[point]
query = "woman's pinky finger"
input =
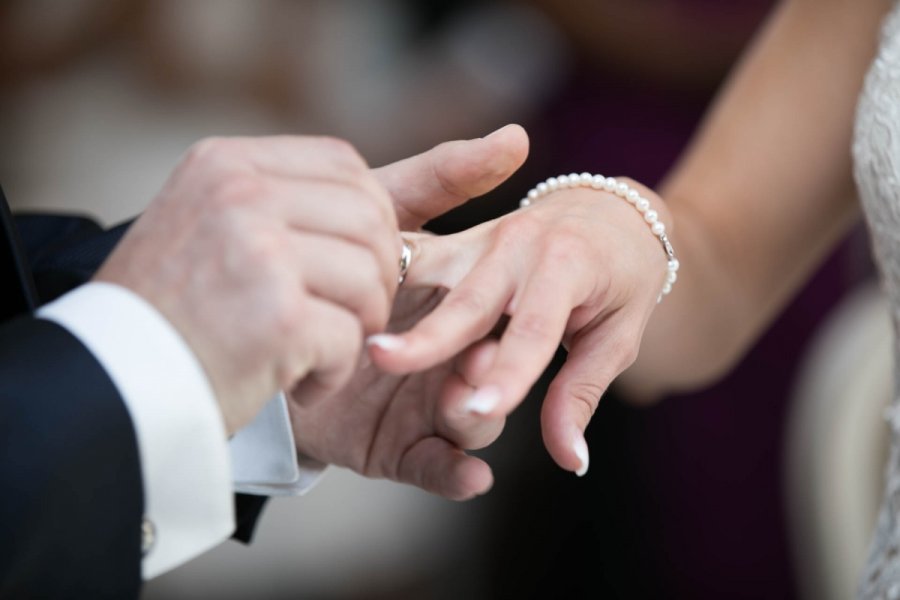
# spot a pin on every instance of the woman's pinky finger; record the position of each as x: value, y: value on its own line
x: 594, y: 361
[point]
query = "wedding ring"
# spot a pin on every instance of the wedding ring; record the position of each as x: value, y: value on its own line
x: 405, y: 260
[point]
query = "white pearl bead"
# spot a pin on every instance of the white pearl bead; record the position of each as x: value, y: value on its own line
x: 621, y: 189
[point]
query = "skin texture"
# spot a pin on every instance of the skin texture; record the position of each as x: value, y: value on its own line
x: 235, y: 253
x: 764, y: 191
x: 273, y: 257
x: 409, y: 427
x: 535, y: 267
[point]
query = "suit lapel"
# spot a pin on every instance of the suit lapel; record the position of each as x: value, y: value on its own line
x: 18, y: 294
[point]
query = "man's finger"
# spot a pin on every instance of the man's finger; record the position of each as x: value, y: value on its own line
x: 334, y: 340
x: 350, y: 278
x: 427, y: 185
x: 436, y: 466
x: 290, y: 156
x: 353, y: 215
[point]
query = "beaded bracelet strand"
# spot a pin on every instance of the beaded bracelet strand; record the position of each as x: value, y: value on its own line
x: 622, y: 190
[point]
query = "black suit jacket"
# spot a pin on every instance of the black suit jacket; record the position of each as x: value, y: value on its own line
x: 71, y: 501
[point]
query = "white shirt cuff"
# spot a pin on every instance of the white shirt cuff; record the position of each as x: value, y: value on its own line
x: 264, y: 457
x: 181, y: 436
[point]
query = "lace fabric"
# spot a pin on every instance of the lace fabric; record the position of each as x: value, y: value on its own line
x: 876, y: 152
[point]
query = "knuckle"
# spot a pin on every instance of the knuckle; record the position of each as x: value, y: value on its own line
x: 627, y: 350
x: 286, y: 315
x: 264, y: 251
x: 459, y: 180
x: 562, y: 248
x: 518, y: 227
x: 342, y: 153
x: 586, y: 396
x: 468, y: 302
x: 236, y: 189
x: 210, y: 150
x: 630, y: 355
x: 531, y: 326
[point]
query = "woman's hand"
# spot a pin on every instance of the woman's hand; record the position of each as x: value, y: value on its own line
x: 413, y: 428
x: 407, y: 428
x: 579, y: 267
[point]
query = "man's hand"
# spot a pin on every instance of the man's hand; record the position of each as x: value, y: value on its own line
x: 410, y: 428
x: 272, y: 257
x: 425, y: 186
x: 394, y: 427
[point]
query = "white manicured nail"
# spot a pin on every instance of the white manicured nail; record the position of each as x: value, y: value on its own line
x: 581, y: 451
x: 386, y: 341
x: 483, y: 401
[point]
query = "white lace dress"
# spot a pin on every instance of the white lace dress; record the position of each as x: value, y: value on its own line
x: 876, y: 151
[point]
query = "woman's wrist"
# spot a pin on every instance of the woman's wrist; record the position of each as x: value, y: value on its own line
x: 623, y: 189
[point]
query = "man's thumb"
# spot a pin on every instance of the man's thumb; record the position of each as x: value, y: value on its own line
x: 427, y: 185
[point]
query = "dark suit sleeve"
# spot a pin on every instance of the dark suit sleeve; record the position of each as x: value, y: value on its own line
x: 65, y: 252
x: 72, y: 500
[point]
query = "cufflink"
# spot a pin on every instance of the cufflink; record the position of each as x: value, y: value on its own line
x: 148, y: 536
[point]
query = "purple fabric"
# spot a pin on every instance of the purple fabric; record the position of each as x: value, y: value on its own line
x: 711, y: 462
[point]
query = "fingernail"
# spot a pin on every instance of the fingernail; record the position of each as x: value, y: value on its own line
x: 483, y: 401
x: 581, y: 451
x: 386, y: 341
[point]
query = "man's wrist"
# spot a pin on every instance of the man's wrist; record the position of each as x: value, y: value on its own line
x: 180, y: 432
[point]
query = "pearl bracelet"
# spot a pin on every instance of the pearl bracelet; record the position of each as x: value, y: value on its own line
x: 622, y: 190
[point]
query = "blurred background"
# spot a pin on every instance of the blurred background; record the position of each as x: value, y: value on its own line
x: 764, y: 486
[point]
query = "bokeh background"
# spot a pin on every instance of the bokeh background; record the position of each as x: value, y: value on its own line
x: 712, y: 495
